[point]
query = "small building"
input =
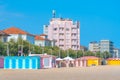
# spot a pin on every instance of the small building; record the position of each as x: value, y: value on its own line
x: 47, y: 61
x: 94, y: 46
x: 15, y: 62
x: 16, y: 33
x: 113, y: 61
x: 107, y: 46
x: 42, y: 40
x: 1, y: 62
x: 87, y: 61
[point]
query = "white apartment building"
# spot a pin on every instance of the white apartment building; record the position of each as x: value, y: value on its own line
x: 106, y: 45
x: 94, y: 46
x: 65, y: 32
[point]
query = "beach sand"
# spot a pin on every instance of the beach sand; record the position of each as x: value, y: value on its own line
x: 79, y: 73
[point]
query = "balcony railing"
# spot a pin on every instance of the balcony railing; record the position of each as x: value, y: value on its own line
x: 74, y: 42
x: 61, y: 31
x: 61, y: 43
x: 61, y: 37
x: 74, y: 31
x: 74, y: 37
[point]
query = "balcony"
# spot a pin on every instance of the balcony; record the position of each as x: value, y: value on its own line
x: 74, y: 26
x: 61, y: 43
x: 74, y: 37
x: 74, y: 43
x: 61, y: 37
x: 61, y: 31
x: 74, y: 31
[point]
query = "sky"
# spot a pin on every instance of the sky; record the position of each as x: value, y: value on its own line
x: 99, y: 19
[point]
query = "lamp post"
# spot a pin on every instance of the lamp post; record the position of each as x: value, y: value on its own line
x: 20, y: 47
x: 42, y: 50
x: 83, y: 53
x: 59, y: 54
x: 33, y: 49
x: 51, y: 51
x: 29, y: 48
x: 7, y: 49
x: 20, y: 50
x: 67, y: 52
x: 76, y: 55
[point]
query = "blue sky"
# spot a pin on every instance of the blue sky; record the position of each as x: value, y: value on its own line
x: 99, y: 19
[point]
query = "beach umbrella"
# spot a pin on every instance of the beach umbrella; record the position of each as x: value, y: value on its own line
x: 68, y: 58
x: 59, y: 59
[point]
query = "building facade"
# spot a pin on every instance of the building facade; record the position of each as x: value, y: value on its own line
x: 41, y: 40
x: 116, y: 53
x: 106, y: 45
x: 65, y: 32
x: 16, y: 33
x: 94, y: 46
x: 102, y: 46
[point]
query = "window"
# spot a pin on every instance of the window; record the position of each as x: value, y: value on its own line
x: 55, y: 29
x: 5, y: 39
x: 74, y: 34
x: 61, y: 29
x: 61, y: 34
x: 67, y: 29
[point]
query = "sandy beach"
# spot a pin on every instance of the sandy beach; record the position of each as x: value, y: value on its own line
x: 80, y: 73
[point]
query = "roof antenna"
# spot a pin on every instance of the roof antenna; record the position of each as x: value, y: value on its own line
x: 53, y: 13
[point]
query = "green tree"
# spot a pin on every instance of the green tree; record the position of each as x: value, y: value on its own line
x: 72, y: 53
x: 80, y: 53
x: 99, y: 54
x: 63, y: 53
x: 106, y: 55
x: 89, y: 53
x: 13, y: 47
x: 3, y: 49
x: 27, y: 47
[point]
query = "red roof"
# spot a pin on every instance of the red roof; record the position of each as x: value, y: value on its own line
x: 43, y: 35
x: 14, y: 30
x: 2, y: 33
x: 39, y: 38
x: 88, y: 57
